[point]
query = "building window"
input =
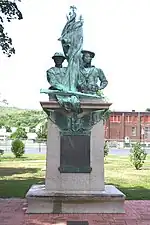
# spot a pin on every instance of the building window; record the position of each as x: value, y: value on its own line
x: 146, y: 119
x: 128, y: 119
x: 134, y: 119
x: 133, y: 131
x: 142, y: 119
x: 146, y: 132
x: 115, y: 119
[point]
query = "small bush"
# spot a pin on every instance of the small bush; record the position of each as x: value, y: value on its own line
x: 137, y: 156
x: 106, y: 148
x: 1, y: 153
x: 18, y: 148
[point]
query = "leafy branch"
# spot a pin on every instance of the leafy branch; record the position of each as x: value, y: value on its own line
x: 8, y: 11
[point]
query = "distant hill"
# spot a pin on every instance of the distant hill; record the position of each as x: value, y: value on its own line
x: 10, y: 110
x: 14, y: 117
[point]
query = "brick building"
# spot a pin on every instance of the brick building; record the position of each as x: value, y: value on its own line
x: 133, y: 125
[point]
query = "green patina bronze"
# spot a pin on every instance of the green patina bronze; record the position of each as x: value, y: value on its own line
x: 76, y: 124
x: 70, y: 93
x: 89, y: 76
x: 73, y: 169
x: 79, y: 78
x: 68, y: 85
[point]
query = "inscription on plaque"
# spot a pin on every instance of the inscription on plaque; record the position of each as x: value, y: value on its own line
x: 75, y: 154
x: 77, y: 223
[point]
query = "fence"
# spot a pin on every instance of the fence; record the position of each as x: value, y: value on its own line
x: 30, y: 146
x: 123, y: 144
x: 40, y: 147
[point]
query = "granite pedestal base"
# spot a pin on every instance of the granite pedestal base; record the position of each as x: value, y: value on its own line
x: 42, y: 201
x: 74, y: 181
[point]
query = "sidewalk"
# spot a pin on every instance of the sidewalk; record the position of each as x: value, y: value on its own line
x: 12, y: 212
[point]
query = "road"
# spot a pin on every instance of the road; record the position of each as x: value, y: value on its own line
x: 114, y: 151
x: 34, y: 148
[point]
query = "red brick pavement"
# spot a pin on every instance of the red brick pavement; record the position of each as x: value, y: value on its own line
x: 12, y: 212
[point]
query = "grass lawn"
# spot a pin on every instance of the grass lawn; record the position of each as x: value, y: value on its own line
x: 17, y: 175
x: 135, y: 184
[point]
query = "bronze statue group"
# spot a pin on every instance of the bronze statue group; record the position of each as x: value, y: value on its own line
x: 80, y: 78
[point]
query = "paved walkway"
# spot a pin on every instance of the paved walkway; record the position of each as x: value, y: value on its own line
x: 12, y: 212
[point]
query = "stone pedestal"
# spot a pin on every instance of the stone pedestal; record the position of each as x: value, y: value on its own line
x: 40, y: 200
x: 75, y: 166
x: 87, y: 181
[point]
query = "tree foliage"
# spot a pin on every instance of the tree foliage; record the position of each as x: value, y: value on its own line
x: 137, y: 156
x: 8, y: 129
x: 8, y: 11
x: 18, y: 148
x: 20, y: 133
x: 106, y: 115
x: 148, y: 110
x: 1, y: 153
x: 13, y: 117
x: 42, y: 132
x: 106, y: 148
x: 3, y: 101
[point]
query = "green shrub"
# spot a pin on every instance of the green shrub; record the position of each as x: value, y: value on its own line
x: 137, y: 155
x: 1, y: 153
x: 18, y: 148
x: 106, y: 148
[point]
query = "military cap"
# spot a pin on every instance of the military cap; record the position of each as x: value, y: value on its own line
x: 58, y: 54
x: 92, y: 54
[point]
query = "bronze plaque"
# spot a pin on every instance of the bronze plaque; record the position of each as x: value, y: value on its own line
x: 77, y: 223
x: 75, y: 154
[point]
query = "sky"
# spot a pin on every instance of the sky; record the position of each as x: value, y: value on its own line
x: 118, y: 31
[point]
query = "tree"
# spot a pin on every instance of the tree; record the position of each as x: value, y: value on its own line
x: 18, y: 148
x: 14, y: 117
x: 2, y: 124
x: 137, y: 156
x: 1, y: 153
x: 8, y: 129
x: 20, y: 133
x: 42, y: 132
x: 106, y: 148
x: 9, y: 11
x: 147, y: 110
x: 106, y: 115
x: 4, y: 101
x: 32, y: 130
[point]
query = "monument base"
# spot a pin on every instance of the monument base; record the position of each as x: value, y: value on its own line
x: 42, y: 201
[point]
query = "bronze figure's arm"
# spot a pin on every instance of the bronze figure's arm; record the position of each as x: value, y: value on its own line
x: 102, y: 79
